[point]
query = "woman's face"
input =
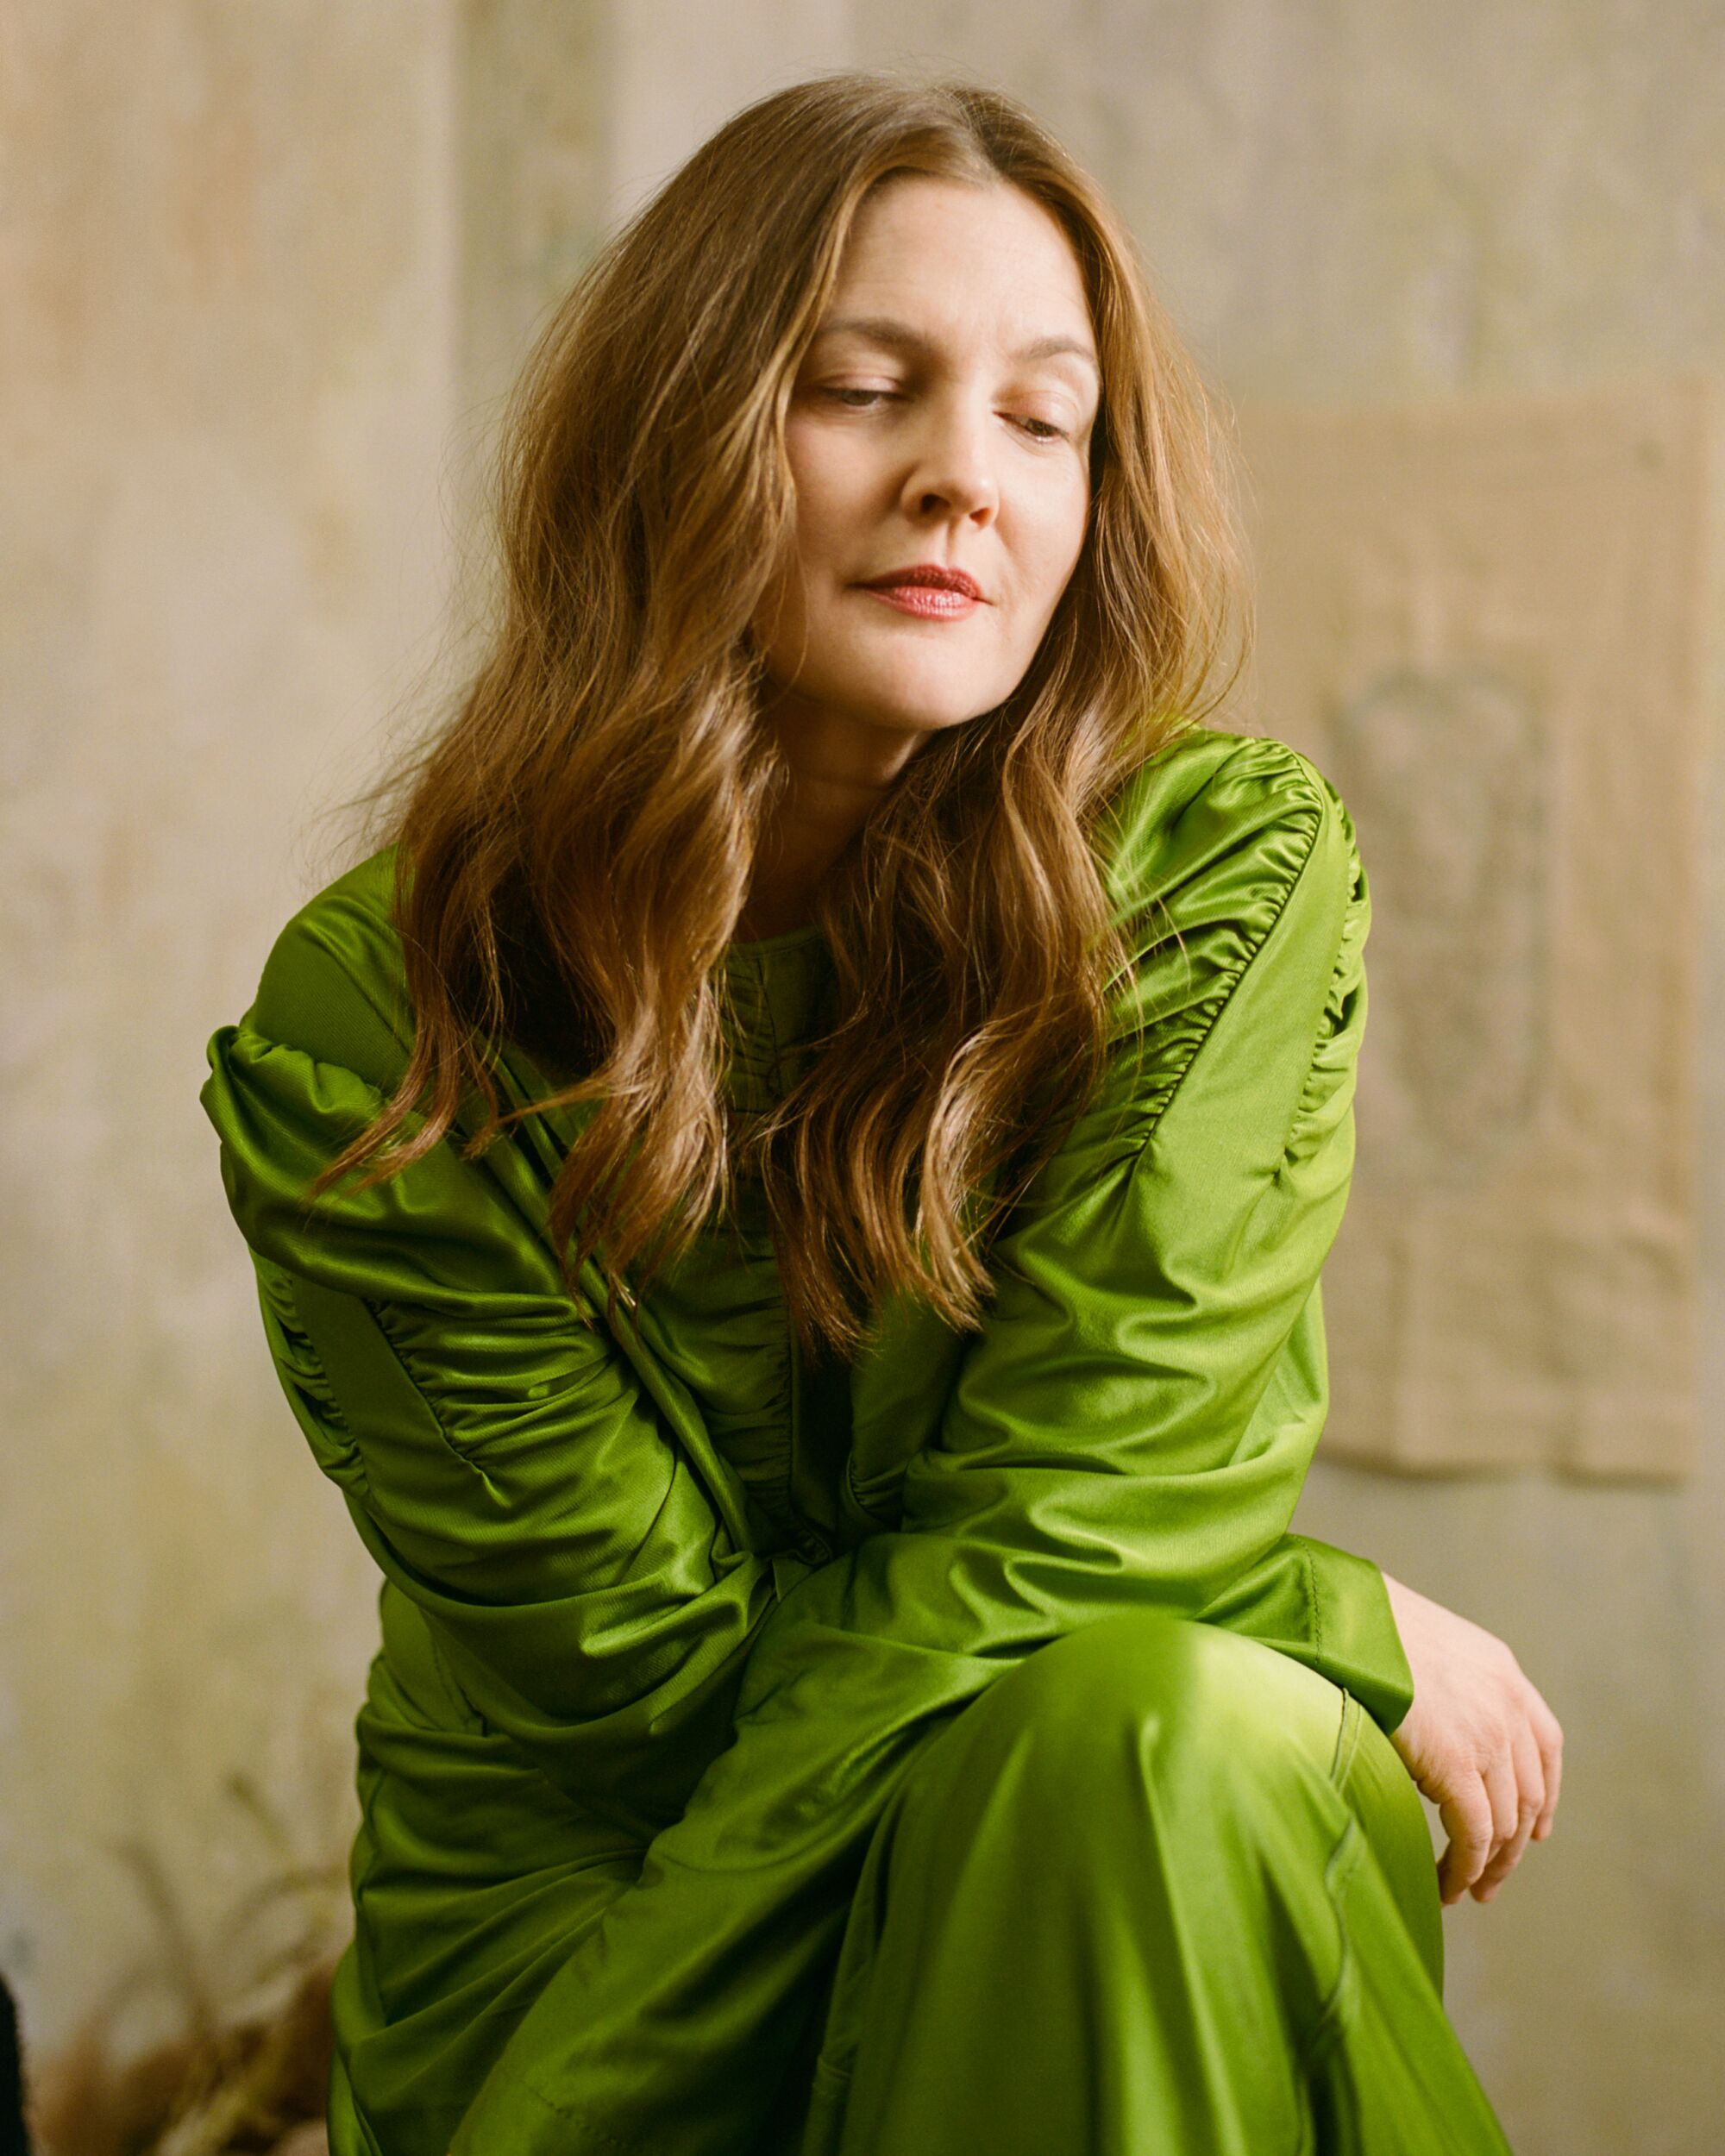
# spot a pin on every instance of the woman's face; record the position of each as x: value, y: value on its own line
x: 941, y: 416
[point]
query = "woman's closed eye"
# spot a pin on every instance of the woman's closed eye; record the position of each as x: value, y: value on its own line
x: 1026, y: 419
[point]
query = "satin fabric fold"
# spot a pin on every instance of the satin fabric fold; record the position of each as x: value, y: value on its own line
x: 680, y: 1615
x: 1183, y: 1886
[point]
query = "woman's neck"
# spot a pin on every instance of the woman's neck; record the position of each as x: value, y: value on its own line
x: 796, y: 852
x: 838, y: 777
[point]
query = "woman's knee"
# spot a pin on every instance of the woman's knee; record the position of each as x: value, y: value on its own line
x: 1197, y: 1709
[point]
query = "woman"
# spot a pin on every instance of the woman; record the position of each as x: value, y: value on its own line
x: 789, y: 1195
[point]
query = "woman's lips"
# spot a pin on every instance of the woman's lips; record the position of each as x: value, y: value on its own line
x: 933, y: 601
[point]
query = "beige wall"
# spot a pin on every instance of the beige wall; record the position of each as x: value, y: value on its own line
x: 266, y: 269
x: 226, y: 377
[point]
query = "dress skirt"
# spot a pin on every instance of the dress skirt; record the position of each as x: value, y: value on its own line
x: 1159, y: 1891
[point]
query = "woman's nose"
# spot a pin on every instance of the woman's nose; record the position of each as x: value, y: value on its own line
x: 954, y: 465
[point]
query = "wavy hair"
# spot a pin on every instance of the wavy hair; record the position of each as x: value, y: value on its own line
x: 575, y: 842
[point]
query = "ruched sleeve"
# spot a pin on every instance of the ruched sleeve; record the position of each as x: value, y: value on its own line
x: 589, y: 1585
x: 1130, y: 1429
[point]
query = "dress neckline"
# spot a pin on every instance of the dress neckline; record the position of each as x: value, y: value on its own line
x: 787, y: 940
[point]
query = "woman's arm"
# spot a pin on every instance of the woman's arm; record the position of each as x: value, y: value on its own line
x: 1479, y: 1741
x: 1131, y: 1430
x: 584, y: 1572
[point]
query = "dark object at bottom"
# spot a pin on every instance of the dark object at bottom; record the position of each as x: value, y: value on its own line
x: 14, y: 2135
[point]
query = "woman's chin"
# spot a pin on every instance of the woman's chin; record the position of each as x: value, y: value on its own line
x: 931, y: 707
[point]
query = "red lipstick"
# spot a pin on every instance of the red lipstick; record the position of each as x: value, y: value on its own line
x: 927, y: 588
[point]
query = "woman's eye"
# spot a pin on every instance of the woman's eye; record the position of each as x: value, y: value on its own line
x: 1048, y: 431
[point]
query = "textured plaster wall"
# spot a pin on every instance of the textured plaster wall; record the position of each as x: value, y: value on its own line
x: 265, y: 270
x: 225, y: 381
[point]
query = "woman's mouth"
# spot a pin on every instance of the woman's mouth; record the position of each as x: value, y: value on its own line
x: 931, y: 601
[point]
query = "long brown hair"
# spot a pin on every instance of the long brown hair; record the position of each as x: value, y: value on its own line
x: 577, y: 840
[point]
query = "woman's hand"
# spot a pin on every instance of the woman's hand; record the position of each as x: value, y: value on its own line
x: 1480, y: 1742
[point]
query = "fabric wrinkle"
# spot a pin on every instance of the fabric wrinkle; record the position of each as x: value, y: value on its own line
x: 679, y: 1632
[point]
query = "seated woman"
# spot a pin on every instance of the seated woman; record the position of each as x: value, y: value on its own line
x: 788, y: 1193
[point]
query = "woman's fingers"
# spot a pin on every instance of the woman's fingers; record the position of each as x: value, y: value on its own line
x: 1465, y: 1812
x: 1530, y: 1796
x: 1480, y: 1742
x: 1500, y: 1786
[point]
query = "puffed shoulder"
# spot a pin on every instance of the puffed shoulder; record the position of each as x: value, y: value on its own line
x: 334, y: 985
x: 1209, y: 798
x: 308, y: 1067
x: 1207, y: 847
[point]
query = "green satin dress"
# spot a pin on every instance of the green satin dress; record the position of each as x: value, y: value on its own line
x: 955, y: 1751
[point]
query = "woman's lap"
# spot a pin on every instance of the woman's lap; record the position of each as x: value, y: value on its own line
x: 1159, y: 1885
x: 1060, y: 1937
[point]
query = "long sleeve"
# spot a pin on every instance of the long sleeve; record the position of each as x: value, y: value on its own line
x: 1130, y: 1429
x: 507, y: 1467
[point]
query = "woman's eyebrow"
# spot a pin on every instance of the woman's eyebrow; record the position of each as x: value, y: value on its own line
x: 884, y: 329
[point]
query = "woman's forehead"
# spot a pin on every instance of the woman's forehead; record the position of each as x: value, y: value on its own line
x: 948, y: 269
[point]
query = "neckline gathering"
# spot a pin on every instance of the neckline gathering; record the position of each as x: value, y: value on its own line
x: 788, y: 939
